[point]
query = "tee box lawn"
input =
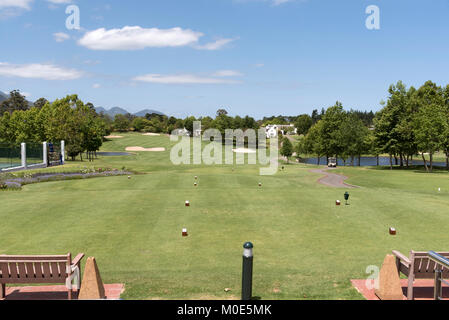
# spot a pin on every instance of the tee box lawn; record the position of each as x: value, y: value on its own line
x: 305, y: 247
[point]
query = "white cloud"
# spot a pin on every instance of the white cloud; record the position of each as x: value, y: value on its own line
x: 279, y: 2
x: 273, y: 2
x: 218, y: 44
x: 23, y: 4
x: 259, y: 65
x: 182, y: 79
x: 60, y: 1
x: 61, y: 36
x: 96, y: 85
x: 39, y: 71
x: 228, y: 73
x: 136, y: 38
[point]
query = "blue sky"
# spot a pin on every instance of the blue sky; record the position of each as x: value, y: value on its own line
x: 256, y: 57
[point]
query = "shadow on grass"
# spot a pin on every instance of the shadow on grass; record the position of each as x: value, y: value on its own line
x: 414, y: 168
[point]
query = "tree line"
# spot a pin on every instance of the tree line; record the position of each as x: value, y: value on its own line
x: 67, y: 119
x: 338, y: 133
x: 413, y: 122
x: 163, y: 124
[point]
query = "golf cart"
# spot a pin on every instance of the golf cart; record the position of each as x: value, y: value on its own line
x: 332, y: 163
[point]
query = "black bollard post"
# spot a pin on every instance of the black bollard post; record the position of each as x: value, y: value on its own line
x: 247, y: 271
x: 346, y: 197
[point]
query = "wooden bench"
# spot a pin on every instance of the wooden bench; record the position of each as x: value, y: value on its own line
x: 418, y: 266
x: 40, y: 269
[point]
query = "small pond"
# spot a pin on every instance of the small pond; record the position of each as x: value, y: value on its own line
x: 369, y: 161
x: 113, y: 154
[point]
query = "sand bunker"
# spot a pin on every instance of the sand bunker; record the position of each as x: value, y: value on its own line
x: 113, y: 137
x: 145, y: 149
x: 151, y: 134
x: 244, y: 150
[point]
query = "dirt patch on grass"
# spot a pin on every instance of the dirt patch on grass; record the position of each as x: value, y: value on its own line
x: 113, y: 137
x: 145, y: 149
x: 332, y: 179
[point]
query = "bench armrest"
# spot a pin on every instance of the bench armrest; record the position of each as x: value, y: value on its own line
x: 77, y: 259
x: 401, y: 257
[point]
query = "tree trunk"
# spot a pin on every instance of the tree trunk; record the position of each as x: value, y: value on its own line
x: 447, y: 160
x: 352, y: 160
x: 431, y: 161
x: 318, y: 159
x: 402, y: 160
x: 425, y: 162
x: 391, y: 162
x: 377, y: 160
x: 406, y: 160
x: 395, y: 159
x: 360, y: 160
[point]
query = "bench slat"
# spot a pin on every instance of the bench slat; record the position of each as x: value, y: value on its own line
x: 22, y: 270
x: 32, y: 281
x: 54, y: 270
x: 431, y: 266
x: 30, y: 270
x: 46, y: 267
x: 38, y: 270
x: 34, y: 258
x: 63, y: 269
x: 26, y: 261
x: 13, y: 270
x: 4, y: 270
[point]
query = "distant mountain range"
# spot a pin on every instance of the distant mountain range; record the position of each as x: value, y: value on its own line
x: 117, y: 110
x: 111, y: 112
x: 3, y: 96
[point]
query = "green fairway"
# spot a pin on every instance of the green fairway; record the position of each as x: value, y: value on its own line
x: 305, y: 247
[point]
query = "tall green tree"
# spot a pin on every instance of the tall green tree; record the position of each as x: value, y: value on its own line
x: 121, y: 123
x: 303, y: 123
x: 15, y: 102
x: 287, y: 148
x: 430, y: 122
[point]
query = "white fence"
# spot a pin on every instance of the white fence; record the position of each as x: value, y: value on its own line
x: 45, y: 163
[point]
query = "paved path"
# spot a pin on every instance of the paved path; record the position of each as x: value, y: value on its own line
x: 332, y: 179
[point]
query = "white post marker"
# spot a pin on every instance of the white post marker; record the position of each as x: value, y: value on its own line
x: 44, y: 153
x: 62, y: 152
x: 187, y: 203
x: 184, y: 232
x: 23, y: 154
